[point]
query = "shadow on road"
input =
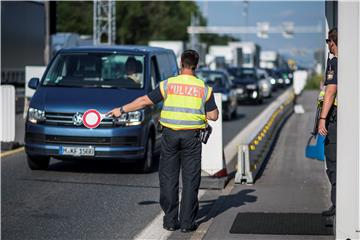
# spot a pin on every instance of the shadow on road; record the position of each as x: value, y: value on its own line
x: 212, y: 208
x: 215, y: 207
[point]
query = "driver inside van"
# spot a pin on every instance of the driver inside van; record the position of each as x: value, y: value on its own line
x: 131, y: 69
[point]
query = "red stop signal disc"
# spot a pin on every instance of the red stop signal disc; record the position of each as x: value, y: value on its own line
x: 91, y: 118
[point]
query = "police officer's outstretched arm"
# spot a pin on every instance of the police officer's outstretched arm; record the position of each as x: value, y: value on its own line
x: 139, y: 103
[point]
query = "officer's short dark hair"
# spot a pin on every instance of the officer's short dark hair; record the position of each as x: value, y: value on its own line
x: 189, y: 59
x: 333, y: 35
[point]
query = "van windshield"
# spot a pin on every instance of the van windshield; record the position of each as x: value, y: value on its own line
x: 102, y: 70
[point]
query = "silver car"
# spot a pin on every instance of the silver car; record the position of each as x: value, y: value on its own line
x: 264, y: 83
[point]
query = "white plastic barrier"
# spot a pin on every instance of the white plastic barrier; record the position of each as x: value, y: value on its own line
x: 7, y: 113
x: 31, y: 72
x: 256, y: 140
x: 299, y: 83
x: 213, y: 162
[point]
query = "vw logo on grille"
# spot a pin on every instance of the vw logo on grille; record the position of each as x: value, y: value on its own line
x: 77, y: 119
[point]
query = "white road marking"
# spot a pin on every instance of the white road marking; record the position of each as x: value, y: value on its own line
x: 299, y: 109
x: 154, y: 230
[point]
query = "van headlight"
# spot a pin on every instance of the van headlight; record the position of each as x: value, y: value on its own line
x: 254, y: 94
x: 130, y: 119
x: 36, y: 116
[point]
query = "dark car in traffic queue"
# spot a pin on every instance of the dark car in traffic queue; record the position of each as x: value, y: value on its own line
x: 100, y: 78
x: 287, y: 76
x: 247, y: 84
x: 274, y: 79
x: 220, y: 81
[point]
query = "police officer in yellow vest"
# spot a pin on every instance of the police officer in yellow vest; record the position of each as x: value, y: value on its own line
x: 328, y: 117
x: 188, y: 104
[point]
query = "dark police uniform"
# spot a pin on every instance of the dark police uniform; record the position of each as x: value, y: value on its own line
x: 180, y: 149
x: 331, y: 122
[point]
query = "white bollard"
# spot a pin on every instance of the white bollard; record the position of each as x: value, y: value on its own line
x: 213, y: 162
x: 299, y: 82
x: 7, y: 113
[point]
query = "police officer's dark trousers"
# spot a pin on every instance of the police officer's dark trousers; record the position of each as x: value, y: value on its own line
x: 180, y: 150
x: 330, y: 151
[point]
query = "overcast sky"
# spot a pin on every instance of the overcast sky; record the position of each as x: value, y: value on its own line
x: 302, y: 13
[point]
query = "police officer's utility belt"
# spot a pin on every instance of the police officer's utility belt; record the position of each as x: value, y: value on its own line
x: 202, y: 134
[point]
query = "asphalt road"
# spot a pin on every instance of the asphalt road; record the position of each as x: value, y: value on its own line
x: 82, y: 200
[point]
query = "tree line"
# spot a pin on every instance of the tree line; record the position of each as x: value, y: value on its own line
x: 138, y: 22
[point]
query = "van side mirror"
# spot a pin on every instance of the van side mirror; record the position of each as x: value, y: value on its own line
x: 33, y: 83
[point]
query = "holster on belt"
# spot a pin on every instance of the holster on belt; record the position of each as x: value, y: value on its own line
x: 205, y: 133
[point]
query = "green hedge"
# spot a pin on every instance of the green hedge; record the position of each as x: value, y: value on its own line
x: 314, y: 82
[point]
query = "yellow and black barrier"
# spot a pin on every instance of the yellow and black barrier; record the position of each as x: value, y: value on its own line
x: 258, y: 138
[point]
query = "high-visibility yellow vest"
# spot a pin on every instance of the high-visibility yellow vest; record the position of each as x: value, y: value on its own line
x: 184, y: 102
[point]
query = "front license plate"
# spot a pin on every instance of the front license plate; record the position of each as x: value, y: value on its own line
x: 77, y: 151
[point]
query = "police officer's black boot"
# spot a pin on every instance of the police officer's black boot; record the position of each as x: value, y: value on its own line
x: 191, y: 229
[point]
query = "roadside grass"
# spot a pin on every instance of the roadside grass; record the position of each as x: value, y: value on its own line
x: 314, y: 82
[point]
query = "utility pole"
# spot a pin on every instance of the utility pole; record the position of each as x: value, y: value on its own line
x: 194, y: 37
x: 206, y: 9
x: 246, y: 15
x: 104, y: 22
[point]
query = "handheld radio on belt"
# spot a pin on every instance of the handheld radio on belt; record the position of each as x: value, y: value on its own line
x: 205, y: 133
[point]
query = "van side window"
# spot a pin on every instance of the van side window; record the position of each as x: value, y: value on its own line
x: 173, y: 65
x: 154, y: 71
x: 164, y: 66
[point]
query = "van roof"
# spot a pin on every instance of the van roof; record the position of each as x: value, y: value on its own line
x: 116, y: 48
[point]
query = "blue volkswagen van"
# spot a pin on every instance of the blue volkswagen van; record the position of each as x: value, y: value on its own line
x: 100, y: 78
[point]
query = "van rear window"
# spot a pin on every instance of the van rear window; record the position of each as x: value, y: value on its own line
x: 102, y: 70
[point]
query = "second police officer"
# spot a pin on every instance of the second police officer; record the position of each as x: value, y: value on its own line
x: 328, y: 117
x: 188, y: 104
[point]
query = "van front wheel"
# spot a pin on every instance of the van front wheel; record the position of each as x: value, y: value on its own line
x: 147, y: 162
x: 38, y: 162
